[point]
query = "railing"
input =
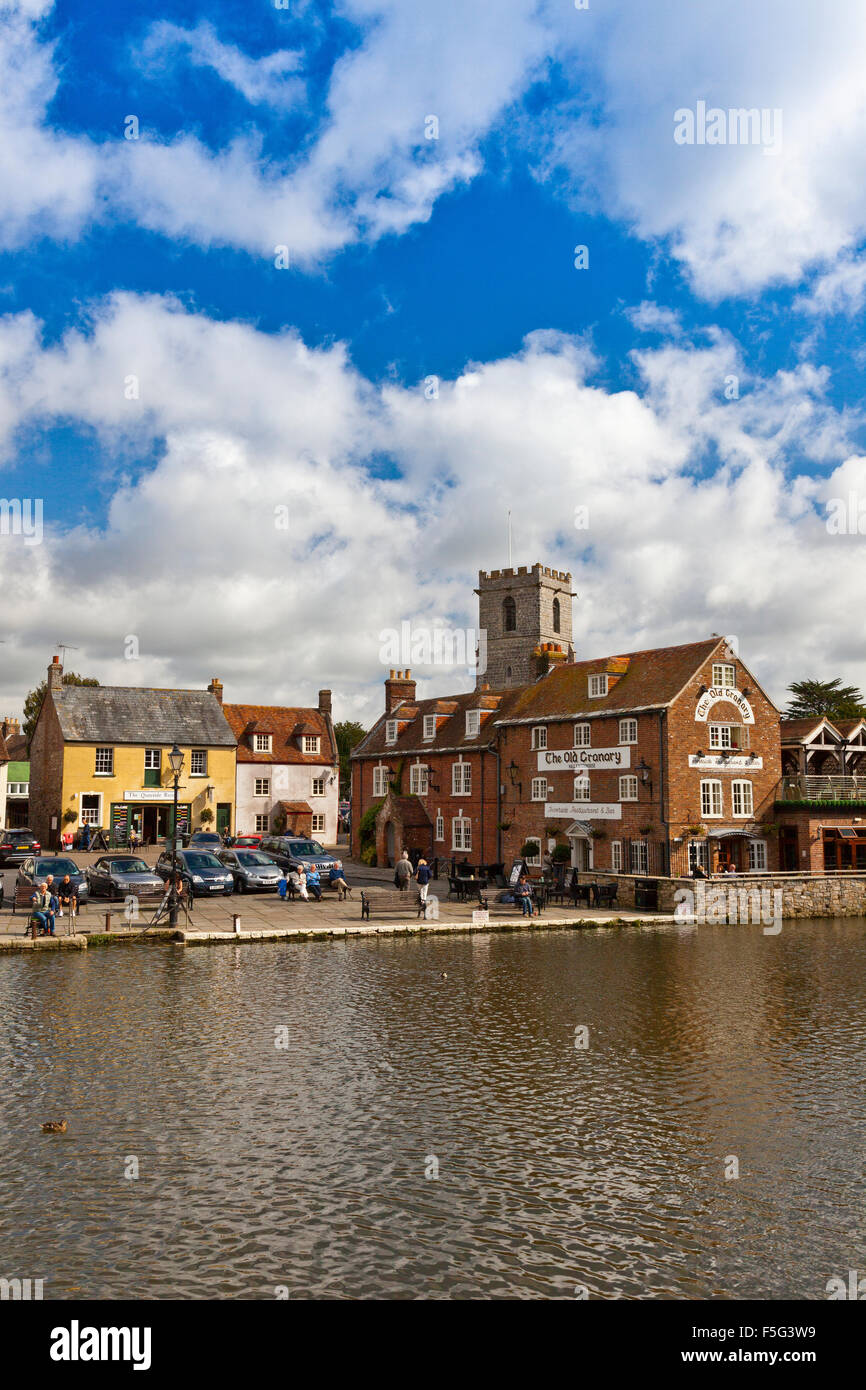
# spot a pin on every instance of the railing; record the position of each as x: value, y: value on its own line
x: 803, y: 787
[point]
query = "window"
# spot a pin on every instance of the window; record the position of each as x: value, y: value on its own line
x: 198, y: 763
x: 597, y: 686
x: 639, y: 856
x: 380, y: 781
x: 318, y: 822
x: 581, y: 786
x: 473, y: 722
x: 539, y: 789
x: 104, y: 764
x: 724, y: 736
x: 418, y: 779
x: 539, y: 736
x: 628, y: 789
x: 724, y: 674
x: 440, y: 827
x: 90, y: 810
x: 461, y: 779
x: 616, y: 856
x: 699, y: 854
x: 509, y: 615
x: 628, y: 731
x: 429, y: 726
x: 311, y: 743
x: 741, y: 797
x: 18, y: 789
x: 261, y: 743
x: 262, y: 823
x: 461, y: 833
x: 262, y: 786
x: 318, y: 788
x: 582, y: 735
x: 711, y: 798
x: 556, y: 615
x: 758, y: 855
x: 152, y: 767
x: 536, y: 857
x: 391, y: 731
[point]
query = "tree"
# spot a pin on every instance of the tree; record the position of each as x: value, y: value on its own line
x: 832, y: 699
x: 349, y: 734
x: 33, y: 701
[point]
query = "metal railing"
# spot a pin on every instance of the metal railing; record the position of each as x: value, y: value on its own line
x: 804, y: 787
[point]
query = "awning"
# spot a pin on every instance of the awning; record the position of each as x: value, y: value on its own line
x: 738, y: 833
x: 579, y: 827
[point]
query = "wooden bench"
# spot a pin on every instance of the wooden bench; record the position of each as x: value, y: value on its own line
x: 391, y: 900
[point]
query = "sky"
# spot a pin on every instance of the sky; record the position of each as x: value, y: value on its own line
x: 297, y: 303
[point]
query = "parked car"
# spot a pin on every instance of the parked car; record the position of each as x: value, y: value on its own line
x: 121, y: 875
x: 290, y: 851
x: 244, y: 841
x: 206, y: 839
x: 202, y: 873
x: 251, y: 869
x: 18, y: 845
x: 36, y: 870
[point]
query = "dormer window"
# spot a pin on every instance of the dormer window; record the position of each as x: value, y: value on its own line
x: 429, y: 726
x: 391, y: 727
x: 262, y: 743
x: 311, y: 743
x: 597, y: 686
x: 724, y: 674
x: 473, y: 722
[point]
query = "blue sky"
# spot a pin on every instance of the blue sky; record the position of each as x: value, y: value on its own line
x: 153, y: 260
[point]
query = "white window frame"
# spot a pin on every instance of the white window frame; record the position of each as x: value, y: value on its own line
x: 533, y: 859
x: 461, y: 833
x: 380, y: 780
x: 628, y: 787
x: 616, y: 856
x: 628, y: 731
x: 149, y: 764
x: 461, y: 779
x: 84, y: 816
x: 261, y: 825
x: 317, y: 786
x: 18, y: 789
x: 103, y: 771
x: 539, y: 736
x: 418, y: 779
x: 582, y: 735
x: 440, y: 826
x: 201, y: 755
x: 262, y: 743
x: 318, y: 824
x: 597, y: 686
x: 742, y: 791
x: 473, y: 722
x: 261, y: 786
x: 580, y: 790
x: 538, y: 791
x: 720, y: 736
x: 699, y: 853
x: 711, y: 793
x: 639, y: 857
x: 391, y: 729
x: 429, y: 727
x: 758, y: 852
x: 721, y: 671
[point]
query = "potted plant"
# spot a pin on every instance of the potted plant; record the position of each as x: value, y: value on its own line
x: 529, y: 849
x: 695, y: 829
x: 70, y: 817
x: 598, y: 834
x: 562, y: 855
x: 503, y: 825
x: 645, y: 830
x: 206, y: 816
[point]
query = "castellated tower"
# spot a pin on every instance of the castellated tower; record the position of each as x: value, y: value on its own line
x: 526, y: 614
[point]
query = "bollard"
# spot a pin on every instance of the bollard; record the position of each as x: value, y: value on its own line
x: 236, y: 923
x: 108, y: 921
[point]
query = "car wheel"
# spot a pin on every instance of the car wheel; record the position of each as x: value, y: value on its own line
x: 240, y: 885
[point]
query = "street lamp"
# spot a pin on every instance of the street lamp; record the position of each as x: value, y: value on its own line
x: 645, y: 774
x: 175, y: 762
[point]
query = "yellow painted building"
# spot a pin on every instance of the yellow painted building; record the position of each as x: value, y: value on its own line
x: 99, y: 757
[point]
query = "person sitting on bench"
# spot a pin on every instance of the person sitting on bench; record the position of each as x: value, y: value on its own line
x: 67, y: 896
x: 42, y: 910
x: 336, y: 880
x: 523, y: 895
x: 314, y: 883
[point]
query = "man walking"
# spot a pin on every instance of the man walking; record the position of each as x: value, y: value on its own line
x: 403, y: 871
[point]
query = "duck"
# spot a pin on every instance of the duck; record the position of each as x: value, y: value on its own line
x: 54, y: 1127
x: 444, y: 975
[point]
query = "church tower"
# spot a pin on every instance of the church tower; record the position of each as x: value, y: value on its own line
x: 526, y: 614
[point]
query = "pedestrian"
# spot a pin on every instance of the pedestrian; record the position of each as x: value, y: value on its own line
x: 314, y: 883
x: 85, y: 838
x: 403, y: 871
x: 423, y: 876
x: 523, y: 894
x: 336, y: 880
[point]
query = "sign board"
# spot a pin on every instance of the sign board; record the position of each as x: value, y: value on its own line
x: 583, y: 810
x: 517, y: 868
x: 149, y: 794
x: 480, y: 916
x: 583, y: 759
x: 728, y: 694
x: 735, y: 763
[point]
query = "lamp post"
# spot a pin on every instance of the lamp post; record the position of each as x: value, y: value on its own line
x: 175, y: 762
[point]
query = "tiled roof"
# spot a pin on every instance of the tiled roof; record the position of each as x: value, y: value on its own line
x: 295, y: 808
x: 798, y: 730
x: 16, y: 745
x: 286, y: 724
x: 4, y: 751
x: 411, y: 810
x: 115, y: 714
x: 451, y: 725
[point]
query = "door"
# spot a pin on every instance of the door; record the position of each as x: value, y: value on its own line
x: 224, y: 817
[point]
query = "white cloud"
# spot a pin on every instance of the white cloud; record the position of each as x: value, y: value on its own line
x: 261, y: 81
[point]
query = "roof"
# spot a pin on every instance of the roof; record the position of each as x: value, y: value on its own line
x: 296, y: 808
x: 801, y: 730
x: 450, y: 730
x: 4, y: 751
x: 410, y: 810
x: 130, y: 714
x: 16, y: 745
x: 286, y: 724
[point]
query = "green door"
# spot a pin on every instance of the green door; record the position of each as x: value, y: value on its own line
x: 224, y: 817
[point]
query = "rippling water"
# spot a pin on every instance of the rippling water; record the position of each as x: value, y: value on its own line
x: 305, y: 1166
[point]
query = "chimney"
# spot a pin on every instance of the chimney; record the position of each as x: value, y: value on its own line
x: 10, y: 728
x: 324, y: 702
x: 216, y: 688
x: 398, y: 687
x: 55, y: 674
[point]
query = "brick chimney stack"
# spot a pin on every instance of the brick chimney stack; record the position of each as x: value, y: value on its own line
x: 55, y: 674
x: 324, y: 702
x: 10, y: 728
x: 398, y: 687
x: 216, y: 688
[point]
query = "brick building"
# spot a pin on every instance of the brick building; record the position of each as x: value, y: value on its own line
x: 821, y: 808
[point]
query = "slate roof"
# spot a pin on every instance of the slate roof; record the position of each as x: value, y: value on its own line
x: 113, y: 714
x: 451, y: 724
x: 285, y: 724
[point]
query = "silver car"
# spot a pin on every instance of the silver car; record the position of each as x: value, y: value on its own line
x: 118, y: 876
x: 250, y: 869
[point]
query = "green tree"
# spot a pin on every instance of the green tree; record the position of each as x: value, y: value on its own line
x: 349, y: 734
x: 814, y: 699
x: 33, y: 701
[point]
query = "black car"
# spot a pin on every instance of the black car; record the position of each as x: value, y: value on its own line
x: 18, y: 845
x: 251, y: 869
x: 36, y: 870
x: 202, y: 873
x: 121, y: 876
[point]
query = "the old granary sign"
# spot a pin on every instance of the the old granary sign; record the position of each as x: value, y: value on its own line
x: 727, y: 694
x: 583, y: 759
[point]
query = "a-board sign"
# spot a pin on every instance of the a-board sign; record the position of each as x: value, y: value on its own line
x: 517, y: 868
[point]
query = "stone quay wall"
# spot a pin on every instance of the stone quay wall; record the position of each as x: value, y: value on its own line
x: 803, y: 895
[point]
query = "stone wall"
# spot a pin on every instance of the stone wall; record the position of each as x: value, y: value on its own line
x: 803, y: 895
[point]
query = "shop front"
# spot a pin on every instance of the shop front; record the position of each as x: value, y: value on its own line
x: 149, y: 813
x: 844, y: 848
